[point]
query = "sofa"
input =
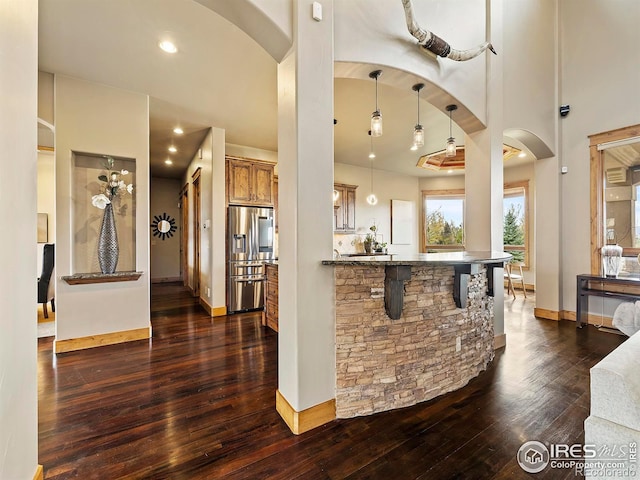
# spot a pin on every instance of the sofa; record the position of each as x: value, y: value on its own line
x: 613, y: 426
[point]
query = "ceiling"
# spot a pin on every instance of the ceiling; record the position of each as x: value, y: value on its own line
x: 220, y: 77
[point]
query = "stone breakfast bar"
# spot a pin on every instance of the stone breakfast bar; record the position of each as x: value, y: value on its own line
x: 411, y: 327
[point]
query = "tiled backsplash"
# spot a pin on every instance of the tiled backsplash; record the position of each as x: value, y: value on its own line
x: 349, y: 243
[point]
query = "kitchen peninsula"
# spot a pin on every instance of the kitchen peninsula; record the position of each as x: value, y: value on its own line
x: 410, y: 327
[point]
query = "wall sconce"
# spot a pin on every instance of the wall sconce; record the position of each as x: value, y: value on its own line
x: 418, y: 131
x: 451, y: 142
x: 376, y: 116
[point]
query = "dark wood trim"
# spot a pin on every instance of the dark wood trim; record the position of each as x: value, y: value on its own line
x: 597, y: 190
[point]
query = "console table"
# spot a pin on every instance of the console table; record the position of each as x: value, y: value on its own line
x: 595, y: 285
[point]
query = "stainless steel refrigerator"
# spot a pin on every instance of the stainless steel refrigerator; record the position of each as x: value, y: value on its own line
x: 250, y: 238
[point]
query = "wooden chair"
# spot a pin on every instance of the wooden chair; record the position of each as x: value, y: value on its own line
x: 518, y: 277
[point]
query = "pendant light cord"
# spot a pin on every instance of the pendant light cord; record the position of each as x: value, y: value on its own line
x: 376, y: 93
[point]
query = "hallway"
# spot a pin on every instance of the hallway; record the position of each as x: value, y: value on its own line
x: 197, y: 401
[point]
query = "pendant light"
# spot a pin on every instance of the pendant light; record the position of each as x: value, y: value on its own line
x: 371, y: 198
x: 418, y: 131
x: 451, y: 142
x: 376, y: 116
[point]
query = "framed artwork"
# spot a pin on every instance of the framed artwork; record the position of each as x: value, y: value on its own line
x: 402, y: 222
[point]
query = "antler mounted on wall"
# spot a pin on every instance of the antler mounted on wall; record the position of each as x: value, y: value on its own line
x: 433, y: 43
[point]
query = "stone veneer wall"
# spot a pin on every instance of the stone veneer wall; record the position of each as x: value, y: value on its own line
x: 383, y: 364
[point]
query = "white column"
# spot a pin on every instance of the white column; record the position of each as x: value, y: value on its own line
x: 18, y: 302
x: 484, y: 167
x: 548, y: 239
x: 306, y: 365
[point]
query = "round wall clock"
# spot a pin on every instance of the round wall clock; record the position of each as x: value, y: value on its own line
x: 163, y: 226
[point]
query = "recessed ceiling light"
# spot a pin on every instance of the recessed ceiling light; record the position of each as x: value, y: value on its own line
x: 522, y: 155
x: 168, y: 46
x: 449, y: 171
x: 173, y: 149
x: 168, y: 162
x: 178, y: 131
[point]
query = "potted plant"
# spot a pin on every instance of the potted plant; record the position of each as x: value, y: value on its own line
x: 370, y: 239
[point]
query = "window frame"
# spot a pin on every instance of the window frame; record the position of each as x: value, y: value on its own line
x: 452, y: 193
x: 524, y: 185
x: 597, y: 191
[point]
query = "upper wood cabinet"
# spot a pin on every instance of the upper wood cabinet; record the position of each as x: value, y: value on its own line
x: 344, y: 208
x: 249, y: 182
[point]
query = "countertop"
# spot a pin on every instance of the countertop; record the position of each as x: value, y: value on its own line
x: 448, y: 258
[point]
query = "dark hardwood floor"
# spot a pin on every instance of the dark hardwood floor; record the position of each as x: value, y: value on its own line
x: 197, y: 402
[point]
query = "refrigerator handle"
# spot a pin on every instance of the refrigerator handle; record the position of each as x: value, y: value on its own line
x: 253, y: 241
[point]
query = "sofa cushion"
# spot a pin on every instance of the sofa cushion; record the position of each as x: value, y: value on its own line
x: 615, y: 385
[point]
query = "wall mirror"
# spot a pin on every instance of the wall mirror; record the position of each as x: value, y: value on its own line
x: 615, y: 194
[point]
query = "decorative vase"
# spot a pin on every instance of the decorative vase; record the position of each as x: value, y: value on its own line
x: 108, y: 242
x: 367, y: 246
x: 611, y: 260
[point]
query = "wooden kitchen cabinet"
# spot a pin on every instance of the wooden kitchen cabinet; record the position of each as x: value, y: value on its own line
x: 249, y: 182
x: 344, y: 208
x: 275, y: 203
x: 270, y: 314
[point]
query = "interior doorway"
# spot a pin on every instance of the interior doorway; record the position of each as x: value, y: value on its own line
x: 196, y: 232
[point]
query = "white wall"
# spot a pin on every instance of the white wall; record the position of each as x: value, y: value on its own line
x: 268, y: 22
x: 165, y: 254
x: 18, y: 320
x: 212, y: 210
x: 530, y: 81
x: 250, y: 152
x: 97, y: 119
x: 45, y: 97
x: 46, y: 199
x: 600, y: 81
x: 376, y: 33
x: 386, y: 186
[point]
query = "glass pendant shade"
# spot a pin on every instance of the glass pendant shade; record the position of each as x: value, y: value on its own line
x: 376, y: 116
x: 418, y: 136
x: 451, y: 147
x: 451, y: 142
x: 372, y: 199
x: 418, y: 131
x: 376, y: 124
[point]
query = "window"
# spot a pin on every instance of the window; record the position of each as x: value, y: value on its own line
x: 443, y: 220
x: 516, y: 221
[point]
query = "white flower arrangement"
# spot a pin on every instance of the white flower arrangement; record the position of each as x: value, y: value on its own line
x: 114, y: 185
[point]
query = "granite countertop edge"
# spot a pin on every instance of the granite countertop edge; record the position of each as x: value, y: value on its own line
x: 455, y: 258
